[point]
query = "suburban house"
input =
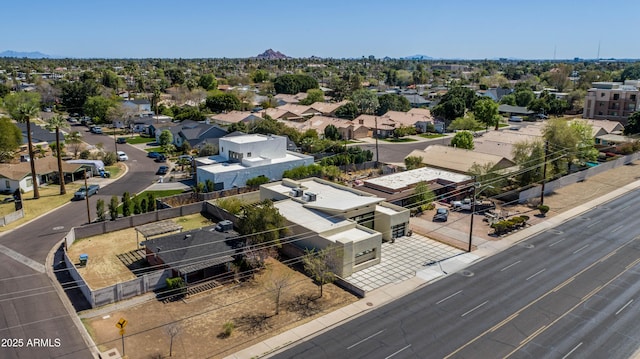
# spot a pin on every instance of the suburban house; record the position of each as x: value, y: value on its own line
x: 417, y: 120
x: 459, y: 160
x: 247, y: 156
x: 327, y: 108
x: 322, y: 214
x: 140, y: 107
x: 197, y: 134
x: 501, y: 143
x: 300, y: 110
x: 346, y: 128
x: 235, y: 117
x: 38, y: 134
x: 14, y: 176
x: 283, y: 98
x: 508, y: 110
x: 612, y: 100
x: 495, y: 93
x: 382, y: 126
x: 195, y: 255
x: 280, y: 114
x: 398, y: 188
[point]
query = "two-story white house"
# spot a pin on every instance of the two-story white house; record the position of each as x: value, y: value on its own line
x: 247, y: 156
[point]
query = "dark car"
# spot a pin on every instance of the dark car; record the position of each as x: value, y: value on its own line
x: 162, y: 170
x: 161, y: 158
x: 442, y: 214
x: 153, y: 154
x: 121, y: 140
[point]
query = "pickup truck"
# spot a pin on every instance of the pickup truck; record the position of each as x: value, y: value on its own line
x: 466, y: 204
x: 83, y: 193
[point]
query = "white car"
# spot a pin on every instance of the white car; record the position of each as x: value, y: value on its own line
x: 122, y: 156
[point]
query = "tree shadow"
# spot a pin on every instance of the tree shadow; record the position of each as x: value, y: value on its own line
x: 254, y: 323
x: 305, y: 305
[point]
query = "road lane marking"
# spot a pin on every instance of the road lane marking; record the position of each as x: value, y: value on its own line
x: 554, y: 243
x: 624, y: 307
x: 532, y: 335
x: 594, y: 223
x: 617, y: 229
x: 572, y: 350
x: 509, y: 266
x: 633, y: 264
x: 581, y: 248
x: 507, y: 319
x: 365, y: 339
x: 476, y: 307
x: 536, y: 273
x: 621, y: 209
x: 452, y: 295
x: 592, y: 293
x: 535, y: 301
x: 398, y: 351
x: 22, y: 259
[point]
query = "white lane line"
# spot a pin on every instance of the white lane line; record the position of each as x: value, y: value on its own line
x: 452, y: 295
x: 398, y: 351
x: 581, y: 248
x: 478, y: 306
x: 623, y: 307
x: 365, y: 339
x: 593, y: 223
x: 509, y: 266
x: 536, y: 273
x: 617, y: 229
x: 554, y: 243
x: 621, y: 209
x: 22, y: 259
x: 572, y: 350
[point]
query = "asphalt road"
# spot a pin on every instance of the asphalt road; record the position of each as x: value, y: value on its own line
x: 33, y: 320
x: 570, y: 292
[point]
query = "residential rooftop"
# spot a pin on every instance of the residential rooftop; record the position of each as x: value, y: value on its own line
x: 409, y: 178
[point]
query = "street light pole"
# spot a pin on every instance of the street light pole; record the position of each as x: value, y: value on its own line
x: 377, y: 153
x: 473, y: 209
x: 86, y: 196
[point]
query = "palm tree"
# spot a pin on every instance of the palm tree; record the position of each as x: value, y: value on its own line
x: 25, y: 112
x: 56, y: 123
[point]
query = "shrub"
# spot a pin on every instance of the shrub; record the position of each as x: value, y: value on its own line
x: 543, y: 208
x: 84, y: 155
x: 257, y: 181
x: 227, y: 328
x: 176, y: 286
x: 109, y: 158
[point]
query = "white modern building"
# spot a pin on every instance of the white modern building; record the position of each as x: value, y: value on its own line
x: 248, y: 156
x: 323, y: 214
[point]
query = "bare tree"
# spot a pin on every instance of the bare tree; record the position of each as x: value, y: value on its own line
x: 322, y: 265
x: 277, y: 283
x: 173, y: 330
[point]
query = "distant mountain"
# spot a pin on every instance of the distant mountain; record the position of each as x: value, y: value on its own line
x: 29, y: 55
x: 417, y: 57
x: 272, y: 55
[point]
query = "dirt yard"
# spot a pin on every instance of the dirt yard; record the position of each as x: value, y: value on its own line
x: 200, y: 319
x: 104, y: 268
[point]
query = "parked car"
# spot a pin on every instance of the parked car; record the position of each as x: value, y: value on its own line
x: 162, y: 170
x: 466, y: 204
x: 83, y: 192
x: 442, y: 214
x: 515, y: 119
x: 96, y: 129
x: 153, y: 154
x: 122, y: 156
x: 161, y: 158
x: 121, y: 140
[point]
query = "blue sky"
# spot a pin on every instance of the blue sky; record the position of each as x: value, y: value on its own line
x: 325, y: 28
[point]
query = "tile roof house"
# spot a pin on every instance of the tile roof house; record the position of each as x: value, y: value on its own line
x: 300, y: 110
x: 383, y: 125
x: 280, y: 114
x: 327, y: 108
x: 235, y: 117
x: 347, y: 129
x: 406, y: 119
x: 283, y: 98
x: 607, y: 125
x: 459, y: 160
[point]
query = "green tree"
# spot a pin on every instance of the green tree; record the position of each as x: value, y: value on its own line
x: 524, y: 97
x: 10, y: 139
x: 137, y: 207
x: 331, y: 132
x: 223, y: 102
x: 487, y: 174
x: 22, y: 107
x: 630, y: 73
x: 392, y: 102
x: 466, y: 123
x: 529, y: 156
x: 74, y: 94
x: 238, y: 126
x: 176, y: 76
x: 151, y: 202
x: 100, y: 210
x: 366, y: 101
x: 208, y: 82
x: 450, y: 110
x: 313, y: 96
x: 259, y: 76
x: 347, y: 111
x: 404, y: 131
x: 632, y: 127
x: 322, y: 265
x: 486, y: 111
x: 294, y: 83
x: 126, y: 204
x: 232, y: 205
x: 166, y: 138
x: 262, y: 224
x: 208, y: 150
x: 413, y: 162
x: 97, y: 108
x: 56, y: 123
x: 570, y: 141
x: 463, y: 139
x: 113, y: 208
x: 509, y: 99
x: 423, y: 196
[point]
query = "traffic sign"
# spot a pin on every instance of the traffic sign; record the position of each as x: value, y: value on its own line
x: 122, y: 331
x: 121, y: 323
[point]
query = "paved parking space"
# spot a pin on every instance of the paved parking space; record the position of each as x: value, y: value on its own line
x: 401, y: 260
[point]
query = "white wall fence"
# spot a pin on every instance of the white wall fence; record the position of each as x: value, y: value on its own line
x: 11, y: 217
x: 117, y: 292
x: 551, y: 186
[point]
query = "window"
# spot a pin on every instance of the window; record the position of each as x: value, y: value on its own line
x: 633, y: 97
x: 616, y: 96
x: 365, y: 220
x: 29, y: 182
x: 601, y: 94
x: 365, y: 255
x: 398, y: 230
x: 248, y: 154
x: 7, y: 184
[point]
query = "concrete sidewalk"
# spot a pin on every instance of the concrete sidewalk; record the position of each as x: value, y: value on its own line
x: 388, y: 293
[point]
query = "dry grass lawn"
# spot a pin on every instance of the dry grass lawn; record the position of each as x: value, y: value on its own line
x: 249, y: 306
x: 104, y: 268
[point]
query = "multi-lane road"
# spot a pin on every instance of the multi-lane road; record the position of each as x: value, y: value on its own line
x: 34, y: 323
x: 569, y: 292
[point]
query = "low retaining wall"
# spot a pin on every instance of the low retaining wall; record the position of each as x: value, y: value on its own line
x: 11, y: 217
x: 551, y: 186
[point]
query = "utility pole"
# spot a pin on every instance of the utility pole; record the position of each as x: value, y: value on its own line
x: 544, y: 171
x: 473, y: 209
x: 86, y: 196
x: 377, y: 153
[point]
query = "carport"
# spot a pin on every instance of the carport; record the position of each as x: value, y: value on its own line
x: 156, y: 228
